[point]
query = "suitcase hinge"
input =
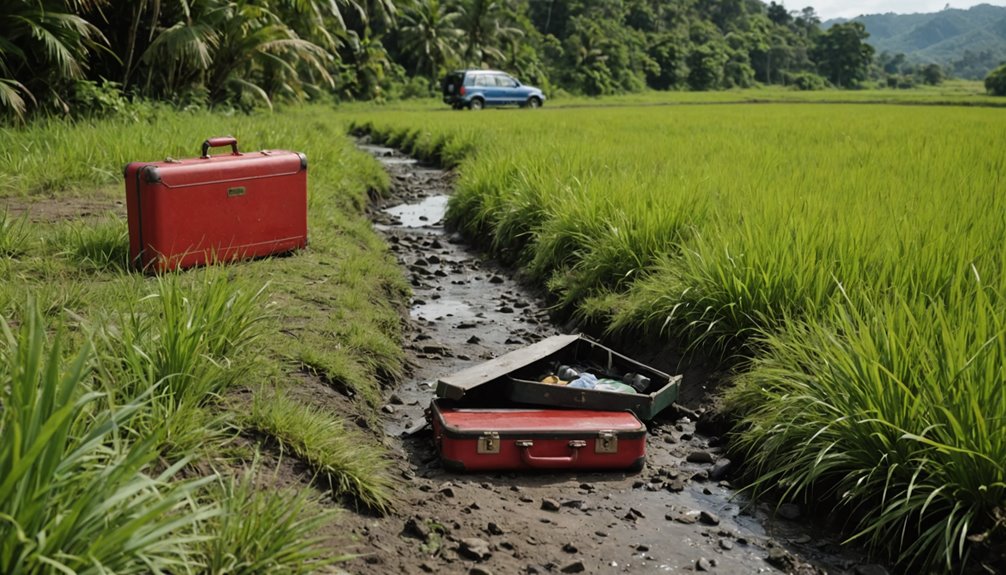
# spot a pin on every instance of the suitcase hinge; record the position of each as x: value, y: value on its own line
x: 607, y: 442
x: 489, y: 443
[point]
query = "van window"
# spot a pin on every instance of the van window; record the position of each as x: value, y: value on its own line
x: 484, y: 80
x: 504, y: 81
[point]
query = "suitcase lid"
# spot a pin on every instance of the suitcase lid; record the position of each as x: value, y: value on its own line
x: 455, y: 385
x: 520, y: 421
x: 222, y: 168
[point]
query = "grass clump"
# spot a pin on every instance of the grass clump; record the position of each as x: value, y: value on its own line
x: 344, y: 463
x: 73, y: 496
x: 267, y: 532
x: 102, y: 245
x: 14, y: 233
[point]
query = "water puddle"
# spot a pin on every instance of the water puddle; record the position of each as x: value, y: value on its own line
x: 428, y: 212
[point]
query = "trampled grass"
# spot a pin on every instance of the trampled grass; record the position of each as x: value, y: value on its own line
x: 854, y: 251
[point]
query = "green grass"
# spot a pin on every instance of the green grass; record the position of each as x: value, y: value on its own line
x: 344, y: 462
x: 852, y: 251
x: 175, y: 351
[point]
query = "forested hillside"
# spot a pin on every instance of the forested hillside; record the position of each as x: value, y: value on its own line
x: 80, y: 56
x: 966, y: 43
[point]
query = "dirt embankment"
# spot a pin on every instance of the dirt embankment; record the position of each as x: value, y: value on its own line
x: 680, y: 514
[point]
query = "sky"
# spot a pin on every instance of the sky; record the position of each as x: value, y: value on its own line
x: 827, y: 9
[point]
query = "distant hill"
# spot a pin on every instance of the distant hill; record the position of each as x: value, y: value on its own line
x: 967, y: 43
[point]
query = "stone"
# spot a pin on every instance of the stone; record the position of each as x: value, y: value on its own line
x: 479, y: 571
x: 675, y: 485
x: 570, y: 548
x: 781, y: 559
x: 494, y: 529
x: 708, y: 518
x: 474, y: 548
x: 720, y: 469
x: 789, y: 511
x: 700, y: 457
x: 726, y: 544
x: 642, y: 547
x: 549, y: 504
x: 474, y: 339
x: 574, y: 567
x: 702, y: 564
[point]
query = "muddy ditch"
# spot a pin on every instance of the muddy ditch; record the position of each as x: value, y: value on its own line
x: 680, y: 514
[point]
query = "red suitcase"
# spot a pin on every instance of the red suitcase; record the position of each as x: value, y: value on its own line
x: 476, y: 439
x: 189, y: 212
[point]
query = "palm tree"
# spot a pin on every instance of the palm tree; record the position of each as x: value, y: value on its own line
x: 43, y: 43
x: 485, y: 31
x: 429, y: 34
x: 241, y: 46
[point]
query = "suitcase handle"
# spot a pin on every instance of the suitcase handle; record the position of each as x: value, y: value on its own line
x: 219, y: 142
x: 550, y: 462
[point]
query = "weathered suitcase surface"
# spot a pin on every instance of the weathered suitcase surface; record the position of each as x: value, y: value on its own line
x: 518, y: 374
x: 195, y: 211
x: 478, y: 439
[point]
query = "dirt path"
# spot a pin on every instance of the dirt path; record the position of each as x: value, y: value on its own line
x: 678, y: 515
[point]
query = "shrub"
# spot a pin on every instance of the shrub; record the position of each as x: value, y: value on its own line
x: 806, y: 81
x: 995, y: 82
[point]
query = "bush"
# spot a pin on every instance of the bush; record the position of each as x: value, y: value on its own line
x: 995, y: 82
x: 806, y: 81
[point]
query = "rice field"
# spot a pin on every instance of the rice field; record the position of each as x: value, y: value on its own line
x: 854, y: 252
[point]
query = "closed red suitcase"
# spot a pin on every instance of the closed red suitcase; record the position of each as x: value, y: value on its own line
x: 475, y: 439
x: 195, y: 211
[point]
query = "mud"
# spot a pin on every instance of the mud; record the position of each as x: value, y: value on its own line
x: 680, y: 514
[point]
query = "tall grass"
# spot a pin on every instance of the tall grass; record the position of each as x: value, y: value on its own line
x: 14, y: 233
x: 73, y: 496
x: 263, y: 531
x: 182, y: 346
x: 98, y: 245
x: 802, y: 236
x: 343, y: 463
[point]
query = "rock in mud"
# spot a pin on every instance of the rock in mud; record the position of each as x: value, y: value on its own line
x: 570, y: 548
x: 700, y: 457
x: 703, y: 565
x: 708, y: 518
x: 494, y: 529
x: 781, y: 559
x: 474, y: 548
x: 479, y: 571
x: 574, y: 567
x: 789, y: 511
x: 720, y: 469
x: 549, y: 504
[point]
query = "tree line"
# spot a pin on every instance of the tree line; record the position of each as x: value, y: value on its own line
x: 85, y: 56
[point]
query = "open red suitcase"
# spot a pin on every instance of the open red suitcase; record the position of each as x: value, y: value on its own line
x: 194, y: 211
x: 478, y: 439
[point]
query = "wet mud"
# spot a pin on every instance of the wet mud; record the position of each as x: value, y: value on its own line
x: 680, y: 514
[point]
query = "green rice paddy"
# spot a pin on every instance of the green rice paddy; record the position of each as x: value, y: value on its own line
x: 854, y: 252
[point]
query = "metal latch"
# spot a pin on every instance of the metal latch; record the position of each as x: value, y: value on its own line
x: 489, y: 443
x: 607, y: 442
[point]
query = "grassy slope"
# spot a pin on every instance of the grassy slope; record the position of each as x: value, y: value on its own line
x: 332, y: 310
x: 851, y: 248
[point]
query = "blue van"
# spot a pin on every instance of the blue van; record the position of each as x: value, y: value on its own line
x: 477, y: 89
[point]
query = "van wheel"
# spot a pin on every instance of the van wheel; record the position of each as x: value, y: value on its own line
x: 476, y: 104
x: 534, y: 102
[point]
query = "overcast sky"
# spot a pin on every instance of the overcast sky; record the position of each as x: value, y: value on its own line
x: 848, y: 8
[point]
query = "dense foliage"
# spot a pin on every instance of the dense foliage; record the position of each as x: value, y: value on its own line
x: 995, y: 82
x: 94, y: 56
x: 968, y: 42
